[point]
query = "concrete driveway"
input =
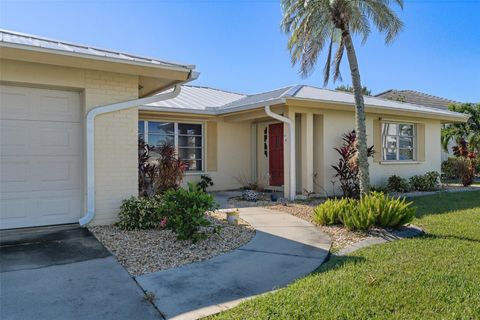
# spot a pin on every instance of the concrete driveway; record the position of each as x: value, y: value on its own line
x: 65, y: 273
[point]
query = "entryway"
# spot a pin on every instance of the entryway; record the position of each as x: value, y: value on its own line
x: 275, y: 154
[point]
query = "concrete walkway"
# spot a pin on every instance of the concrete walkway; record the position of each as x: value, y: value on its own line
x: 284, y: 248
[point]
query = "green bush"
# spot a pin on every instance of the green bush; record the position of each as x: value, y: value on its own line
x: 453, y: 168
x: 373, y: 209
x: 397, y: 184
x: 205, y: 182
x: 389, y: 211
x: 139, y: 213
x: 426, y: 182
x: 329, y: 212
x: 185, y: 210
x: 357, y: 215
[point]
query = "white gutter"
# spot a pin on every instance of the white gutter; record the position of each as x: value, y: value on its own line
x: 90, y: 151
x: 293, y: 183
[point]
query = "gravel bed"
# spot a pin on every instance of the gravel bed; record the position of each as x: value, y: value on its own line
x: 144, y: 251
x: 341, y: 237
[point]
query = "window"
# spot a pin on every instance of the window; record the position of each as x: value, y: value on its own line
x: 186, y: 137
x: 398, y: 142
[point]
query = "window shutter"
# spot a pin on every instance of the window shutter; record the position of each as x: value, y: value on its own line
x: 211, y: 146
x: 377, y: 140
x: 420, y: 142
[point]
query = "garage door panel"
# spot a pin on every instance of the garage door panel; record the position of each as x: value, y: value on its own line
x: 14, y: 103
x: 40, y: 173
x: 23, y: 103
x: 41, y: 159
x: 56, y: 139
x: 29, y: 209
x: 56, y: 107
x: 35, y: 138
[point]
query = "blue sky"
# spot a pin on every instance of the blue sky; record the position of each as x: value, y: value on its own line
x: 237, y: 44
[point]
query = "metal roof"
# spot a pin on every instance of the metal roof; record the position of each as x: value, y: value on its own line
x: 206, y: 100
x: 17, y: 39
x: 199, y: 99
x: 416, y: 97
x: 255, y: 98
x: 309, y: 92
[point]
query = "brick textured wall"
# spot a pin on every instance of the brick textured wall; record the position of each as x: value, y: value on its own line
x: 116, y: 159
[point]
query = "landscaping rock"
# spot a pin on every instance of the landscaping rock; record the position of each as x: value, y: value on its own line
x: 144, y: 251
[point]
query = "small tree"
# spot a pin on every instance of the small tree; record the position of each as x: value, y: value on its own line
x: 469, y: 159
x: 347, y: 167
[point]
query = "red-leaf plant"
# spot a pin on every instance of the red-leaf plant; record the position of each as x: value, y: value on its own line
x: 146, y: 169
x: 469, y: 158
x: 155, y: 176
x: 347, y: 167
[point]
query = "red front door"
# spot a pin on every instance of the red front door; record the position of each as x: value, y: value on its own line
x: 275, y: 153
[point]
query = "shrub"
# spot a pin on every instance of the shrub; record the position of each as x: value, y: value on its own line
x: 469, y: 158
x: 158, y: 176
x: 397, y: 184
x: 356, y: 214
x: 378, y: 189
x: 146, y: 169
x: 329, y: 212
x: 186, y: 210
x: 139, y: 213
x: 373, y: 209
x: 169, y: 170
x: 388, y: 211
x: 426, y: 182
x: 205, y: 182
x: 347, y: 167
x: 453, y: 168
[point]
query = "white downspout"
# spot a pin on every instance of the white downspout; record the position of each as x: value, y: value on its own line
x: 90, y: 151
x: 293, y: 183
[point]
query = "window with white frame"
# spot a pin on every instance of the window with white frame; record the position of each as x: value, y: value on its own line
x: 187, y: 138
x: 398, y: 141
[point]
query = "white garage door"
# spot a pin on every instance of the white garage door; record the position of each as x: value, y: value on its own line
x: 41, y: 166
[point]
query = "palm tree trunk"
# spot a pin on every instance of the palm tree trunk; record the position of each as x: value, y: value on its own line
x: 360, y: 126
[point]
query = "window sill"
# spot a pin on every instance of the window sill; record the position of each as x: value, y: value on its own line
x: 194, y: 173
x: 399, y: 162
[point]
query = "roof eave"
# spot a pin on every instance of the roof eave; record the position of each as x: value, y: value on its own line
x: 457, y: 117
x: 164, y: 66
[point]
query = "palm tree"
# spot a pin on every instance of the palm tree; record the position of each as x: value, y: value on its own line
x: 312, y: 24
x: 469, y: 131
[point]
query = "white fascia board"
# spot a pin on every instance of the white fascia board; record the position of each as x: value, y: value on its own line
x: 159, y: 65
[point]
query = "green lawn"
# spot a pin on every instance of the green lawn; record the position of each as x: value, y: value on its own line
x: 436, y: 276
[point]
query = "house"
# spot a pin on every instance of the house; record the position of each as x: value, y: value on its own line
x: 423, y: 99
x: 71, y: 116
